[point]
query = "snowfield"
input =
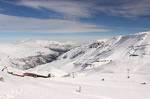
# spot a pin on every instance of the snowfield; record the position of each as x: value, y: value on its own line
x: 116, y: 68
x: 87, y: 87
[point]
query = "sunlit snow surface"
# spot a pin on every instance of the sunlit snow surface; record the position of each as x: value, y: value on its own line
x: 92, y: 87
x: 117, y: 68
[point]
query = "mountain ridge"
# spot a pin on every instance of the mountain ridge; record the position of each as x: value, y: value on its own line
x: 120, y: 54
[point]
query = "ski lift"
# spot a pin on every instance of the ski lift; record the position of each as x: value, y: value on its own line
x: 128, y: 73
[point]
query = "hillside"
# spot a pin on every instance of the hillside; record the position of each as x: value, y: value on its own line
x: 121, y: 54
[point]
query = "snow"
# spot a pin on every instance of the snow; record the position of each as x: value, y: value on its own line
x: 33, y: 52
x: 114, y: 55
x: 92, y: 87
x: 47, y: 70
x: 29, y: 48
x: 116, y: 68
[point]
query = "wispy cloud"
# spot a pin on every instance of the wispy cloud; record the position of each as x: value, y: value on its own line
x: 19, y: 24
x: 125, y: 8
x: 65, y: 16
x: 86, y: 8
x: 65, y: 7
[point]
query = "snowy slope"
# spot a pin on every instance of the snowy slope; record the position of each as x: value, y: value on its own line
x: 98, y: 70
x: 29, y: 54
x: 121, y: 54
x: 90, y: 87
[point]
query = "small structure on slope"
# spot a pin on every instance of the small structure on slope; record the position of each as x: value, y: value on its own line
x: 1, y: 79
x: 37, y: 75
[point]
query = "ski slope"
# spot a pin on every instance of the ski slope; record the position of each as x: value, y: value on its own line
x: 121, y: 54
x: 116, y: 68
x: 92, y: 87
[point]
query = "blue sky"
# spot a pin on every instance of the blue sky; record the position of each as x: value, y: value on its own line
x: 72, y: 19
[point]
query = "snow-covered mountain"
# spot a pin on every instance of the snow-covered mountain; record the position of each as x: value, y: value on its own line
x: 120, y: 54
x: 31, y: 53
x: 96, y: 70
